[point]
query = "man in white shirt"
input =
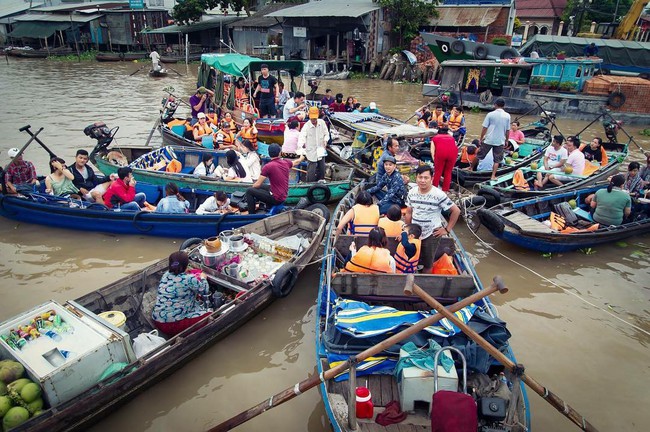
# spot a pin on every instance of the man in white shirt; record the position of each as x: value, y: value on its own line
x: 425, y: 204
x: 555, y: 156
x: 576, y: 161
x: 155, y: 60
x: 313, y: 138
x: 494, y: 136
x: 294, y: 106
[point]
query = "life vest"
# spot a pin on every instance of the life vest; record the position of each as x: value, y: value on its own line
x: 174, y: 166
x: 228, y: 137
x: 403, y: 263
x: 392, y: 228
x: 466, y: 157
x: 240, y: 93
x: 604, y: 160
x: 370, y: 260
x: 454, y: 122
x: 213, y: 120
x: 252, y: 137
x: 438, y: 118
x: 444, y: 265
x: 365, y: 219
x: 423, y: 124
x: 519, y: 181
x: 202, y: 129
x: 177, y: 122
x: 232, y: 125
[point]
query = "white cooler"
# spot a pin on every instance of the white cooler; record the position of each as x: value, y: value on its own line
x: 416, y: 384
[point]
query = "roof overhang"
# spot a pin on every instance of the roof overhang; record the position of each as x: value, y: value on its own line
x: 213, y: 22
x: 56, y: 18
x: 38, y: 30
x: 465, y: 16
x: 96, y: 5
x: 328, y: 8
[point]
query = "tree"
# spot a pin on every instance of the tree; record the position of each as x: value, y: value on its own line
x: 584, y: 12
x: 188, y: 11
x: 407, y: 16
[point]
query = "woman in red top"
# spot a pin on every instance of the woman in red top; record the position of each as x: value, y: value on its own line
x: 445, y: 153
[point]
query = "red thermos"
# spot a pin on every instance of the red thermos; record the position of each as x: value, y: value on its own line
x: 364, y: 403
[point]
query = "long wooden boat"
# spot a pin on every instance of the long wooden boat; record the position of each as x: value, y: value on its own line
x: 150, y: 168
x: 170, y: 59
x: 525, y: 222
x: 115, y: 56
x: 502, y: 188
x: 342, y: 293
x: 135, y: 296
x: 158, y: 73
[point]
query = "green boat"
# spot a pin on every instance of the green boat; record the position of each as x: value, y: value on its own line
x: 150, y: 167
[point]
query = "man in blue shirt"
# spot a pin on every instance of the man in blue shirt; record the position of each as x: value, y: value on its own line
x: 392, y: 182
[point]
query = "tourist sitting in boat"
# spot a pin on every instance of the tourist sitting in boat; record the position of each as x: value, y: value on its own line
x: 84, y: 176
x: 613, y: 205
x: 357, y: 108
x: 644, y: 173
x: 97, y: 193
x: 227, y: 117
x: 205, y: 167
x: 59, y: 181
x: 575, y: 164
x: 237, y: 172
x: 240, y: 89
x: 225, y: 138
x: 291, y: 136
x: 555, y: 157
x: 373, y: 257
x: 468, y: 154
x: 634, y: 184
x: 362, y: 217
x: 248, y: 132
x: 203, y: 130
x: 594, y: 151
x: 424, y: 118
x: 515, y: 134
x: 444, y: 153
x: 439, y: 115
x: 250, y: 159
x: 283, y: 97
x: 212, y: 118
x: 338, y: 105
x: 349, y: 103
x: 328, y: 99
x: 294, y: 107
x: 173, y: 202
x: 371, y: 108
x: 407, y: 254
x: 198, y: 102
x: 121, y: 193
x: 187, y: 122
x: 392, y: 147
x: 456, y: 123
x: 392, y: 222
x: 20, y: 175
x: 177, y: 305
x: 277, y: 171
x: 217, y: 203
x: 390, y: 188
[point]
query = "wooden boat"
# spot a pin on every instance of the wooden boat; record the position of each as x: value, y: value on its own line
x: 150, y: 168
x: 135, y: 296
x: 114, y: 56
x: 170, y: 59
x: 343, y: 75
x: 502, y: 189
x: 158, y: 73
x: 524, y: 222
x: 339, y: 292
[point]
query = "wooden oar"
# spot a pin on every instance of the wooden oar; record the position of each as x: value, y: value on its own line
x: 153, y: 129
x: 545, y: 393
x: 138, y: 70
x: 305, y: 172
x: 38, y: 140
x: 20, y: 152
x: 529, y: 111
x: 645, y: 153
x: 174, y: 70
x: 315, y: 380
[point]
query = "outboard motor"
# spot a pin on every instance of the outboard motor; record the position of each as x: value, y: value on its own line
x: 100, y: 132
x: 169, y: 106
x: 611, y: 130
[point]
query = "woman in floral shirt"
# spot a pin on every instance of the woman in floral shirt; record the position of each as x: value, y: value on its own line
x: 177, y: 306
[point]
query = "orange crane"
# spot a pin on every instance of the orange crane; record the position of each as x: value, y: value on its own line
x: 626, y: 29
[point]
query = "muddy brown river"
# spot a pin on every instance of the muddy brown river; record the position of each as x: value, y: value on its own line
x: 580, y: 323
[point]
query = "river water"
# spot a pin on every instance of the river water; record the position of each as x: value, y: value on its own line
x: 580, y: 323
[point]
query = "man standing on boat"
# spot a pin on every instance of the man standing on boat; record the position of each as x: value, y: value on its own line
x: 155, y: 60
x: 198, y: 103
x: 313, y: 138
x: 267, y: 87
x: 425, y: 204
x: 494, y: 136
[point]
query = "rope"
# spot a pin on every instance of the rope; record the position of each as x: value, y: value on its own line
x: 578, y: 296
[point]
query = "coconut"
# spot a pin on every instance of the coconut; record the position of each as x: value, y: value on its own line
x: 35, y: 406
x: 508, y: 161
x: 17, y: 386
x: 5, y: 405
x: 10, y: 371
x: 568, y: 169
x: 14, y: 417
x: 573, y: 204
x: 30, y: 392
x: 3, y: 389
x: 515, y: 155
x: 534, y: 166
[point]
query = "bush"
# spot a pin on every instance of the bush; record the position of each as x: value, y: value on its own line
x: 500, y: 41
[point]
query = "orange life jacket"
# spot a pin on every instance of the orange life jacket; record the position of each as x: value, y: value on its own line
x: 455, y: 122
x: 438, y: 118
x: 392, y: 228
x: 519, y: 181
x: 232, y: 125
x: 365, y: 219
x: 444, y: 265
x: 246, y: 133
x: 174, y: 166
x: 213, y: 119
x: 228, y: 137
x: 200, y: 129
x: 466, y: 157
x: 403, y: 263
x: 177, y: 122
x: 604, y: 160
x: 370, y: 260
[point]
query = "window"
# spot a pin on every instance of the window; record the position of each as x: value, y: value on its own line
x: 153, y: 3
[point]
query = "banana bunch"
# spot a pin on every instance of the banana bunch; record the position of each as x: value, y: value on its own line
x: 20, y: 398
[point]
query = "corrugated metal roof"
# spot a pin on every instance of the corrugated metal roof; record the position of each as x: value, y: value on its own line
x: 56, y: 18
x: 213, y: 22
x: 328, y: 8
x: 465, y: 16
x: 38, y: 30
x: 79, y: 6
x: 11, y: 7
x: 540, y: 8
x: 261, y: 18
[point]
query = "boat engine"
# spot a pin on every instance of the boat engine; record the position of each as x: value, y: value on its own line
x: 611, y: 130
x: 100, y: 132
x: 169, y: 106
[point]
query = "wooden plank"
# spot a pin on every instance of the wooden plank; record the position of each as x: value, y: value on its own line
x: 366, y: 284
x: 374, y: 385
x: 527, y: 223
x: 388, y: 389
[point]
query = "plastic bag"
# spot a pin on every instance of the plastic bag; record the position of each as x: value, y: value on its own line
x: 444, y: 265
x: 147, y: 342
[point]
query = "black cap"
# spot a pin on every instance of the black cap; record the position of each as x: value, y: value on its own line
x: 264, y: 65
x: 274, y: 150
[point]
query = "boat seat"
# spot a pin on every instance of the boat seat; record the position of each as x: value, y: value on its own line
x: 179, y: 130
x: 584, y: 214
x: 526, y: 222
x: 277, y: 209
x: 187, y: 170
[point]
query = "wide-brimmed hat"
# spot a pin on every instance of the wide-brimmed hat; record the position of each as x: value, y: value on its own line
x: 514, y: 144
x: 372, y: 105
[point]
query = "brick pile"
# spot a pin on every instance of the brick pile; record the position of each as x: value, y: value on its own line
x: 636, y: 91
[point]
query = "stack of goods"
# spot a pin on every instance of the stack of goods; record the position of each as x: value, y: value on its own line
x: 20, y: 398
x: 48, y: 323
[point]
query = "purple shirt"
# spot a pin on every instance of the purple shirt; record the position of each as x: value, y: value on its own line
x: 194, y: 100
x: 277, y: 171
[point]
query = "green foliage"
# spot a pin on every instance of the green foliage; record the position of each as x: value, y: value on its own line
x: 500, y: 41
x: 599, y: 11
x: 407, y: 16
x: 189, y: 11
x: 83, y: 56
x: 475, y: 109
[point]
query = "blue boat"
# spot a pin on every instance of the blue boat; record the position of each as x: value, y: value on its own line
x: 359, y: 310
x: 525, y: 222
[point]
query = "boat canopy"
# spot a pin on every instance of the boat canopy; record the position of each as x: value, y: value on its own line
x: 378, y: 125
x: 243, y: 65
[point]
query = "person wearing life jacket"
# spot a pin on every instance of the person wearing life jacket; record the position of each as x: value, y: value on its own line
x: 407, y: 254
x: 202, y: 128
x: 248, y: 131
x: 362, y: 217
x: 227, y: 117
x: 392, y: 223
x: 212, y: 118
x: 456, y: 123
x: 595, y: 152
x: 425, y: 117
x: 372, y: 258
x: 439, y: 115
x: 467, y: 154
x: 225, y: 138
x: 189, y: 131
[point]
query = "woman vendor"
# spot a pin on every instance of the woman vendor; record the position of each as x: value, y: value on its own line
x: 177, y: 306
x: 612, y: 205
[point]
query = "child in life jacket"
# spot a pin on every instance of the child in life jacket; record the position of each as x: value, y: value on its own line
x: 392, y: 223
x: 407, y: 254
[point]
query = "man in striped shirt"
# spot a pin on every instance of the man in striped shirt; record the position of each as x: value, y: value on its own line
x: 425, y: 206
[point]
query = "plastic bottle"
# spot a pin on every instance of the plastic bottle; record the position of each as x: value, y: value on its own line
x: 504, y: 380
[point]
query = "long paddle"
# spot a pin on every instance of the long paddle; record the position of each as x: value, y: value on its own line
x: 138, y: 70
x: 38, y: 140
x: 315, y: 380
x: 529, y: 111
x: 627, y: 134
x: 550, y: 119
x: 545, y: 393
x: 153, y: 129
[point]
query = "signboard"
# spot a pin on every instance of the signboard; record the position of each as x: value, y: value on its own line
x: 136, y: 4
x: 517, y: 39
x: 300, y: 32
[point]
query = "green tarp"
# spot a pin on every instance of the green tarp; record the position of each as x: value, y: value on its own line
x: 243, y: 65
x: 37, y: 29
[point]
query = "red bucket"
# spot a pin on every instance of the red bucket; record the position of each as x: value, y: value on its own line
x: 365, y: 408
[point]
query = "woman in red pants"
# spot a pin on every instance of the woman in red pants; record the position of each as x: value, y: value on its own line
x: 445, y: 153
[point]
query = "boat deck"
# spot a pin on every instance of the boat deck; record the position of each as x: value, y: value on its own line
x: 527, y: 223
